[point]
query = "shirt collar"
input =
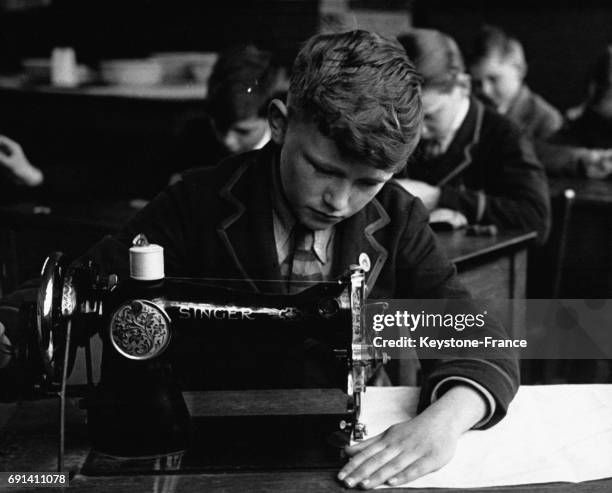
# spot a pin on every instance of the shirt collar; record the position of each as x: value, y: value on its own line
x: 284, y: 220
x: 462, y: 112
x: 514, y: 105
x: 265, y: 139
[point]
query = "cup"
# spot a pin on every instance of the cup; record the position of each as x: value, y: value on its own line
x: 64, y: 68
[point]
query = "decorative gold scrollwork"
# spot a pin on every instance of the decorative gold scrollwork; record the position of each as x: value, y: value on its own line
x: 289, y: 313
x: 140, y: 330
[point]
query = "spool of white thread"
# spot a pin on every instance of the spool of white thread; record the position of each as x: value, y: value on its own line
x: 147, y: 262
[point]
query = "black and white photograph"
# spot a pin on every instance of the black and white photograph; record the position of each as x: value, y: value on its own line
x: 306, y: 246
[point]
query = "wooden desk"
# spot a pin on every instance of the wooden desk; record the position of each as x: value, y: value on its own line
x: 29, y: 232
x: 28, y: 443
x: 194, y: 91
x: 491, y: 267
x: 90, y: 128
x: 588, y: 192
x: 587, y: 270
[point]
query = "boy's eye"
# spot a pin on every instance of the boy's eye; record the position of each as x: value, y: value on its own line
x: 319, y: 169
x: 368, y: 184
x: 243, y: 131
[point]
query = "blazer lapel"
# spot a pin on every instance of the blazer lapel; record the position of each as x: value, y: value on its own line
x: 356, y: 236
x: 459, y: 154
x: 247, y: 231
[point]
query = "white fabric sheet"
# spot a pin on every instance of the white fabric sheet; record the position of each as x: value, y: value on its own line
x: 552, y: 433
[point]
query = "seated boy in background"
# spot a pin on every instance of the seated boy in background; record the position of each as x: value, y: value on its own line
x: 323, y: 187
x: 471, y: 160
x: 243, y: 82
x: 498, y: 68
x: 593, y: 126
x: 76, y: 178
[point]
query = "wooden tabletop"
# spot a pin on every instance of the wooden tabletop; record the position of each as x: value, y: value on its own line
x: 187, y: 91
x: 108, y: 217
x: 461, y: 247
x: 28, y: 443
x: 289, y: 482
x: 588, y: 191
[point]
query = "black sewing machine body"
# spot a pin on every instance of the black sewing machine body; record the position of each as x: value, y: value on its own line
x: 165, y: 336
x: 219, y: 338
x: 162, y: 338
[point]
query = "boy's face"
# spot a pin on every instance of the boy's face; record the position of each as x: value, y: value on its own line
x: 498, y: 79
x: 243, y: 135
x: 323, y: 187
x: 440, y: 110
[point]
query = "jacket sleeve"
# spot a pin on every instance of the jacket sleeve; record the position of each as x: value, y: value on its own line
x: 515, y: 194
x: 547, y: 120
x: 564, y: 152
x: 561, y: 160
x: 425, y: 272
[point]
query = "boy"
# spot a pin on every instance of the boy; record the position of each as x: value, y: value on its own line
x: 471, y: 160
x: 352, y: 119
x: 243, y: 82
x: 498, y: 68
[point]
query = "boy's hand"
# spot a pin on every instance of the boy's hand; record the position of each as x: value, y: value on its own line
x: 5, y: 348
x: 14, y: 160
x: 403, y: 453
x: 597, y: 163
x: 411, y: 449
x: 429, y: 194
x: 449, y: 216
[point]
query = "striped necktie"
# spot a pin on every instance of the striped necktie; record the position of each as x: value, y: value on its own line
x: 303, y: 265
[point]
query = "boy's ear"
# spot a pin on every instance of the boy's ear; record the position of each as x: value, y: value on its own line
x: 278, y: 118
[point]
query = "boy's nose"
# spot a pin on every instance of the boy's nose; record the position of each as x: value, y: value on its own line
x: 231, y: 142
x: 337, y: 195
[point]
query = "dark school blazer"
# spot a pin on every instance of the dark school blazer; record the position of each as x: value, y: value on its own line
x: 217, y: 223
x: 489, y: 173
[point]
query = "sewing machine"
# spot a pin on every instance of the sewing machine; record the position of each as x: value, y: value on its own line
x: 154, y: 328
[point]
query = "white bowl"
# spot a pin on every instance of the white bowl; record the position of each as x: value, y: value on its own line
x: 142, y: 72
x: 37, y: 69
x: 181, y: 66
x: 201, y: 70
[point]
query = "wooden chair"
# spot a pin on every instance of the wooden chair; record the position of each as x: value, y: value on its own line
x: 545, y: 281
x: 546, y: 263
